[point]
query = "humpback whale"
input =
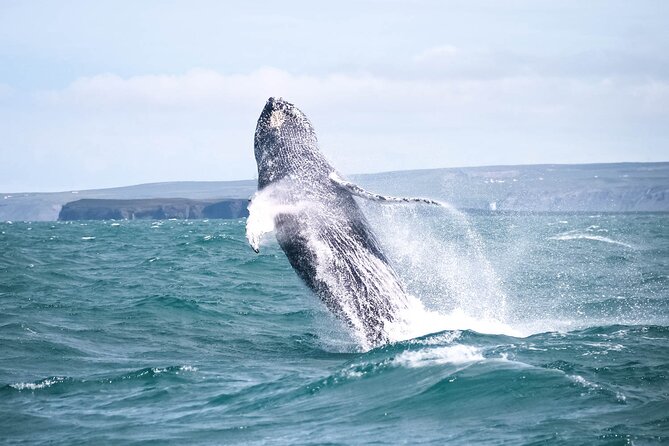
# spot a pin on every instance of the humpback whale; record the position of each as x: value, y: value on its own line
x: 321, y: 228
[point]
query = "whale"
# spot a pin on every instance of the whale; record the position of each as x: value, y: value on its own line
x: 321, y: 228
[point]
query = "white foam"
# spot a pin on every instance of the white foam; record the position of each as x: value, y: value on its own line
x: 441, y: 259
x: 454, y: 354
x: 578, y: 379
x: 447, y: 337
x: 417, y: 321
x: 88, y: 238
x: 580, y: 236
x: 39, y: 385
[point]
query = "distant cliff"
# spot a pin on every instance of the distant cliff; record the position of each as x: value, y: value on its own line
x: 153, y: 209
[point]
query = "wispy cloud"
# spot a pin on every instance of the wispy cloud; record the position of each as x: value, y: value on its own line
x: 444, y: 105
x: 509, y: 96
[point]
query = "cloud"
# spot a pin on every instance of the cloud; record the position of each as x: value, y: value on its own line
x: 202, y: 88
x: 108, y: 130
x: 336, y: 94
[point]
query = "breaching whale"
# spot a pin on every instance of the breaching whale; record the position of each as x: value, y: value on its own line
x: 321, y: 228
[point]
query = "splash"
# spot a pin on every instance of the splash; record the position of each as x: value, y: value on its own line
x: 417, y: 320
x: 434, y: 249
x: 441, y: 259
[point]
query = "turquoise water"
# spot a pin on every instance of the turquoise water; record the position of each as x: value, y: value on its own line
x: 544, y: 329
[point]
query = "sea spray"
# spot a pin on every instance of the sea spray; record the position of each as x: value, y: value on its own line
x: 441, y: 259
x: 342, y: 262
x: 459, y: 286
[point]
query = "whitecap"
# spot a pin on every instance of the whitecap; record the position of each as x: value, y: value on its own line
x: 598, y: 238
x: 578, y: 379
x: 455, y: 354
x: 38, y: 385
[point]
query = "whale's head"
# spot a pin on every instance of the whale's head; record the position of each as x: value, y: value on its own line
x: 286, y: 145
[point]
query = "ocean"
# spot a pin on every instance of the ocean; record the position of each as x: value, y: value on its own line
x: 538, y: 329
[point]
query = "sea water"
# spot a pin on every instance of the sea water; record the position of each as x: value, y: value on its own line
x: 536, y: 329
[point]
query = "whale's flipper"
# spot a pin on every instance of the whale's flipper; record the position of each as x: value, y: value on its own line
x: 358, y: 191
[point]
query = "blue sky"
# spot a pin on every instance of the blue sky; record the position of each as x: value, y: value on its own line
x: 102, y: 94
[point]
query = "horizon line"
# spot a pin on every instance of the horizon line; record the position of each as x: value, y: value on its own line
x: 152, y: 183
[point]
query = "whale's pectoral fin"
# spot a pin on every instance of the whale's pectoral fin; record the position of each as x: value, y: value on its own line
x: 253, y: 239
x: 358, y: 191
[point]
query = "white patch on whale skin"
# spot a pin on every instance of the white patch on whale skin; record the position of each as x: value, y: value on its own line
x: 277, y: 119
x: 260, y: 220
x: 265, y: 206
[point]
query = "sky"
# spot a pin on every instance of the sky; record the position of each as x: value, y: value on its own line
x: 113, y: 93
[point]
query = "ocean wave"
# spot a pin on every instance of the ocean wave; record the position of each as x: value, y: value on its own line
x: 141, y: 374
x: 122, y: 350
x: 41, y: 384
x: 456, y: 354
